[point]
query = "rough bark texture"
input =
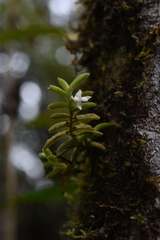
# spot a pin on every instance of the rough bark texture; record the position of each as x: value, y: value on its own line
x: 150, y: 125
x: 119, y: 42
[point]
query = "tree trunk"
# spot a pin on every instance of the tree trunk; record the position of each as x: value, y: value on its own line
x: 8, y: 221
x: 119, y: 42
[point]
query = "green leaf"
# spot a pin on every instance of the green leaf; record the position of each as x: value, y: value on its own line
x: 103, y: 125
x: 55, y: 138
x: 63, y: 84
x: 79, y: 129
x: 60, y: 110
x: 53, y: 173
x: 87, y: 93
x: 53, y: 159
x: 48, y: 164
x: 88, y: 105
x: 58, y: 90
x: 81, y: 138
x: 97, y: 145
x: 89, y: 136
x: 42, y: 155
x: 57, y: 105
x: 77, y: 81
x: 69, y: 144
x: 87, y: 117
x: 47, y: 152
x: 74, y: 154
x: 58, y: 126
x: 62, y: 166
x: 60, y: 115
x: 92, y: 131
x: 55, y: 121
x: 59, y: 168
x: 83, y: 127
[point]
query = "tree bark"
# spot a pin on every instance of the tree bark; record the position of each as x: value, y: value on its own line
x: 119, y: 43
x: 8, y: 221
x: 150, y: 125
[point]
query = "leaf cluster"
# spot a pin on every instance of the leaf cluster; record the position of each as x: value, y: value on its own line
x: 69, y: 122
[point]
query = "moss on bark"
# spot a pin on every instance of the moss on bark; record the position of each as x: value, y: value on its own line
x: 118, y: 197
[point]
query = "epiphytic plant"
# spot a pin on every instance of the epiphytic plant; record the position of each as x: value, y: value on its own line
x: 68, y: 122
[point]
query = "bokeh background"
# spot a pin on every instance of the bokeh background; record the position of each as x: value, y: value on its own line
x: 32, y: 56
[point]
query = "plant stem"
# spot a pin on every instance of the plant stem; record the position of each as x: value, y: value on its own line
x: 71, y: 118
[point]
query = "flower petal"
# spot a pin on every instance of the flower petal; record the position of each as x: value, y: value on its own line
x: 79, y: 93
x: 79, y: 105
x: 85, y: 99
x: 77, y: 99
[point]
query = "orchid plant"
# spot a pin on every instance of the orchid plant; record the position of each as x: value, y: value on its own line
x: 69, y: 122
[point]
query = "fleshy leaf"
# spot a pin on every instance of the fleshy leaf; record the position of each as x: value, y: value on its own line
x: 57, y: 126
x: 88, y: 117
x: 75, y: 127
x: 83, y: 137
x: 42, y: 155
x: 103, y: 125
x: 48, y: 164
x: 59, y: 168
x: 81, y: 131
x: 74, y: 154
x: 58, y: 90
x: 87, y: 93
x: 71, y: 143
x: 57, y: 105
x: 60, y: 110
x: 60, y: 115
x: 55, y: 138
x: 88, y: 105
x: 53, y: 173
x: 77, y: 81
x: 63, y: 84
x: 53, y: 159
x: 83, y: 126
x: 97, y: 145
x: 47, y: 152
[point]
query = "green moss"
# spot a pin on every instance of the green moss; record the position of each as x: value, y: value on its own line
x: 116, y: 199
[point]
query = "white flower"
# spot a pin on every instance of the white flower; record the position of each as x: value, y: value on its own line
x: 79, y: 99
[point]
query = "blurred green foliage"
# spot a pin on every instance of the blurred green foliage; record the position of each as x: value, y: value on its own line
x: 29, y: 32
x: 52, y: 193
x: 25, y: 26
